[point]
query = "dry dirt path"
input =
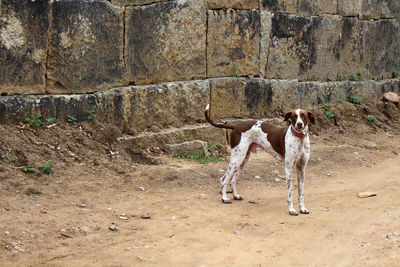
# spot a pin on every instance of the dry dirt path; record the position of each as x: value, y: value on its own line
x: 191, y: 227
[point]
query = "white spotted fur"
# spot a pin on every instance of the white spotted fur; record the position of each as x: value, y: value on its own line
x: 297, y: 155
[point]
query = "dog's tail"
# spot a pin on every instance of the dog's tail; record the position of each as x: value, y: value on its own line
x: 226, y: 126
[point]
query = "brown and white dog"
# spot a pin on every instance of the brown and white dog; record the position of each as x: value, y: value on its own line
x: 288, y: 144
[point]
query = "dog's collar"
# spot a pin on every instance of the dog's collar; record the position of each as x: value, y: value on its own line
x: 297, y: 134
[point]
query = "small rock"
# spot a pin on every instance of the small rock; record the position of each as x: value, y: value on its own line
x: 28, y: 230
x: 277, y: 180
x: 112, y: 227
x: 146, y: 216
x: 324, y: 209
x: 84, y: 228
x: 236, y: 232
x: 253, y: 202
x: 257, y: 177
x: 392, y: 235
x: 82, y: 206
x: 6, y: 232
x: 328, y: 174
x: 281, y: 222
x: 141, y: 188
x: 391, y: 97
x: 120, y: 171
x: 123, y: 218
x: 366, y: 194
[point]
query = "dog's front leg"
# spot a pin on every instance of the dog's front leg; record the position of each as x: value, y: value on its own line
x: 289, y: 171
x: 301, y: 170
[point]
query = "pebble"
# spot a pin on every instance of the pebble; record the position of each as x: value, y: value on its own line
x: 112, y: 227
x: 366, y: 194
x: 236, y: 232
x: 123, y: 218
x: 146, y: 216
x: 257, y: 177
x: 328, y: 174
x: 392, y: 235
x: 141, y: 188
x: 84, y: 228
x: 27, y: 230
x: 277, y: 180
x: 6, y: 232
x: 82, y: 206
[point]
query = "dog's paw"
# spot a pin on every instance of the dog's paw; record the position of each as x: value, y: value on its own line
x: 226, y: 201
x: 293, y: 212
x: 238, y: 197
x: 304, y: 211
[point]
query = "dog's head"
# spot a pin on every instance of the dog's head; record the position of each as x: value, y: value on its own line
x: 300, y: 118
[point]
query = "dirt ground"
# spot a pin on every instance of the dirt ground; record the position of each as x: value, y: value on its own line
x: 98, y: 183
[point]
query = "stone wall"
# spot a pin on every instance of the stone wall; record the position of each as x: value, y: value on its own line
x: 62, y: 47
x: 147, y: 64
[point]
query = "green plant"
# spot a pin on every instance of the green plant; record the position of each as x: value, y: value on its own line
x: 366, y: 108
x: 356, y: 100
x: 370, y: 118
x: 356, y: 78
x: 215, y: 146
x: 32, y: 191
x: 49, y: 120
x: 342, y: 79
x: 71, y: 119
x: 395, y: 74
x: 28, y: 169
x: 14, y: 159
x: 35, y: 121
x: 234, y: 71
x: 47, y: 168
x: 189, y: 140
x: 201, y: 159
x: 330, y: 114
x: 92, y: 113
x: 38, y: 120
x: 327, y: 106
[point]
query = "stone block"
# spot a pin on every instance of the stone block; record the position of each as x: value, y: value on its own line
x: 23, y: 45
x: 235, y: 4
x: 241, y: 98
x: 195, y: 147
x: 280, y: 6
x: 369, y: 9
x: 86, y: 47
x: 316, y: 7
x: 157, y: 106
x: 166, y: 42
x: 265, y: 34
x: 290, y: 47
x: 14, y: 109
x: 233, y: 40
x: 301, y: 7
x: 353, y: 57
x: 325, y: 49
x: 205, y: 132
x: 381, y: 48
x: 135, y: 2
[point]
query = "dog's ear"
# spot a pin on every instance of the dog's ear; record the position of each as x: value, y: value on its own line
x: 287, y: 116
x: 311, y: 117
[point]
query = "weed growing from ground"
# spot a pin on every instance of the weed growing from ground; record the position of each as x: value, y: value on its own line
x: 355, y: 100
x: 28, y: 169
x: 356, y: 78
x: 72, y: 119
x: 32, y: 191
x: 395, y: 74
x: 47, y: 168
x: 38, y: 120
x: 328, y: 114
x: 92, y: 113
x: 201, y: 159
x: 234, y: 71
x: 14, y: 159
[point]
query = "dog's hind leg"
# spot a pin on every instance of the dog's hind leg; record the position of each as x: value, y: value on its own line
x: 238, y: 156
x: 235, y: 177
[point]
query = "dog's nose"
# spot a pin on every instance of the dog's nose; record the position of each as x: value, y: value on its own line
x: 299, y: 125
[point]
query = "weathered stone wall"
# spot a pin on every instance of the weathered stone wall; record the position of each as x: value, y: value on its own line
x: 147, y: 64
x: 62, y: 47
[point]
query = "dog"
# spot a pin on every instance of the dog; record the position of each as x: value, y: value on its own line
x: 290, y: 144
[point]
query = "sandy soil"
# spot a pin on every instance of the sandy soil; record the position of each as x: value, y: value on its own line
x: 96, y: 184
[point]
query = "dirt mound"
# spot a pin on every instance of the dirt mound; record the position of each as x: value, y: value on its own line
x: 48, y: 218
